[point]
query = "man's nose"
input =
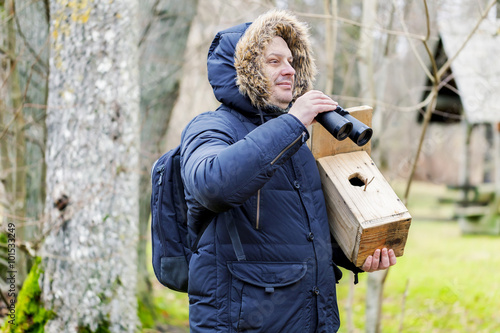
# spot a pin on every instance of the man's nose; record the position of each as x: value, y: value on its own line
x: 288, y: 69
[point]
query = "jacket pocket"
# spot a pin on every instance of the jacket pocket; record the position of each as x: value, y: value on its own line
x: 269, y: 296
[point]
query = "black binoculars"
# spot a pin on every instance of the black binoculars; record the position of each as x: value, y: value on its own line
x: 342, y: 125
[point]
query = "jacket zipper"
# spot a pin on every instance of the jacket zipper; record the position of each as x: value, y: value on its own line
x: 153, y: 169
x: 257, y: 219
x: 302, y: 136
x: 160, y: 169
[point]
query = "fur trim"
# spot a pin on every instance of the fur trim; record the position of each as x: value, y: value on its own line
x: 249, y: 55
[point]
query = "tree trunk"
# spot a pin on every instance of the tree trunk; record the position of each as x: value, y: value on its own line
x: 366, y: 50
x: 32, y: 25
x: 92, y: 208
x: 330, y: 7
x: 375, y: 282
x: 374, y: 297
x: 14, y: 162
x: 23, y: 82
x: 165, y: 27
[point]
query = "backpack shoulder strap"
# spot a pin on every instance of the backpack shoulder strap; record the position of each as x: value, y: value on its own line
x: 242, y: 129
x: 236, y: 119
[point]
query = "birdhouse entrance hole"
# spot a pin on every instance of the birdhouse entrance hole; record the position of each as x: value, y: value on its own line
x: 357, y: 180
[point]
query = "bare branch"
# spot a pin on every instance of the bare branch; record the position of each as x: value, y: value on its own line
x: 37, y: 142
x: 357, y: 24
x: 427, y: 49
x: 4, y: 262
x: 20, y: 168
x: 145, y: 33
x: 389, y: 106
x: 47, y: 10
x: 427, y: 118
x: 6, y: 129
x: 35, y: 106
x: 4, y: 299
x: 330, y: 7
x: 388, y: 41
x: 14, y: 60
x: 27, y: 248
x: 44, y: 66
x: 407, y: 35
x: 430, y: 106
x: 403, y: 305
x: 21, y: 107
x: 7, y: 53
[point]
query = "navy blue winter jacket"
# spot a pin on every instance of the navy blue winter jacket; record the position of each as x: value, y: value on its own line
x: 266, y: 180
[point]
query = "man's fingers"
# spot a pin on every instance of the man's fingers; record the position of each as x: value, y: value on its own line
x: 381, y: 259
x: 318, y: 102
x: 318, y: 97
x: 392, y: 257
x: 368, y: 264
x: 376, y: 260
x: 307, y: 106
x: 384, y: 261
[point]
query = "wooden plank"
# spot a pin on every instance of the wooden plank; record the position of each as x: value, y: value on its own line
x: 392, y: 235
x: 364, y: 212
x: 322, y: 143
x: 346, y: 234
x: 472, y: 211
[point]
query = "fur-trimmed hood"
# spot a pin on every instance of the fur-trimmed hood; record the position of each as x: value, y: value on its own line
x: 249, y: 55
x: 235, y: 60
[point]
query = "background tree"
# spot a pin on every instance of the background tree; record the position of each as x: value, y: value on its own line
x: 164, y: 27
x: 92, y: 207
x: 23, y: 95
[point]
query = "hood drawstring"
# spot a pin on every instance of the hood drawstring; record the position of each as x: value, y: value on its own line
x: 261, y: 116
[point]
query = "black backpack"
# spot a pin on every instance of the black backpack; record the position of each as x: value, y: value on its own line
x: 169, y: 232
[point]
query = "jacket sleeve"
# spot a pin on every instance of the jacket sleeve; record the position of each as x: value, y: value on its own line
x: 221, y: 172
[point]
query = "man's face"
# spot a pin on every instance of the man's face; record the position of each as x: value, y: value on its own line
x: 279, y: 72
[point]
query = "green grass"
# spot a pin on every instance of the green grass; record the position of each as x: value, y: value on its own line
x: 453, y: 284
x: 425, y: 201
x: 453, y: 281
x: 173, y: 307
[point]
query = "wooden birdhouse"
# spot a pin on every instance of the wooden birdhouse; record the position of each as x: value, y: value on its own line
x: 364, y: 212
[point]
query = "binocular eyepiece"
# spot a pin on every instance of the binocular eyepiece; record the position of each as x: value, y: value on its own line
x: 342, y: 125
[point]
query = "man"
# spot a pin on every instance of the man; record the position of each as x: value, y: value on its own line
x: 266, y: 263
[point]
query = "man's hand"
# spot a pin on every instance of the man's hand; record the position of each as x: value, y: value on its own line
x: 379, y: 262
x: 307, y: 106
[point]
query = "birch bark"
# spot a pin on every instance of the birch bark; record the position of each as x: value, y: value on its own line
x: 92, y: 167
